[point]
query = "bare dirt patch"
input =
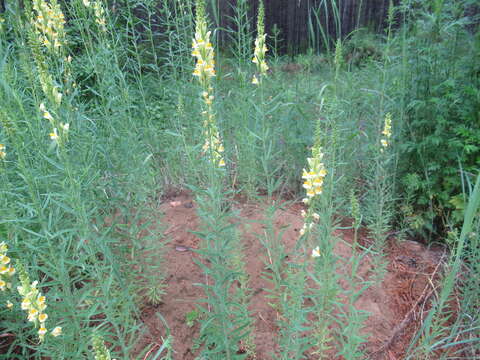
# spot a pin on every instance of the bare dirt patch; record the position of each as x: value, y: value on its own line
x: 394, y: 305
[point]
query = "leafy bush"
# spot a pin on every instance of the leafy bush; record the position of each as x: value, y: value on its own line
x: 442, y: 113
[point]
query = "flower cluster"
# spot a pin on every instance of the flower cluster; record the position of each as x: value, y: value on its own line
x: 100, y: 350
x: 260, y: 46
x: 313, y: 178
x: 48, y: 84
x: 309, y: 217
x: 202, y: 50
x: 99, y: 12
x: 34, y: 303
x: 55, y: 135
x: 49, y: 24
x: 387, y: 130
x: 214, y: 145
x: 3, y: 154
x: 313, y: 184
x: 100, y: 15
x: 6, y: 270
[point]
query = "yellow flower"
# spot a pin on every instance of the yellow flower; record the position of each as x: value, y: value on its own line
x: 41, y: 332
x: 4, y: 259
x: 387, y: 129
x: 316, y: 174
x: 54, y: 135
x: 58, y: 97
x: 3, y: 154
x: 9, y: 304
x: 57, y: 331
x: 65, y: 127
x: 42, y: 317
x: 3, y: 285
x: 255, y: 80
x: 32, y: 314
x: 384, y: 142
x: 316, y: 252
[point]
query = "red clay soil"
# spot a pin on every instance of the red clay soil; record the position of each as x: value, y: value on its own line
x: 395, y: 305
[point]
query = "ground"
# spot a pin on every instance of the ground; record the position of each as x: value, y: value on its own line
x: 395, y: 305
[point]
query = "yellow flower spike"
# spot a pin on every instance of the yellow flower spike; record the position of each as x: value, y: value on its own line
x: 203, y: 52
x: 260, y: 46
x: 387, y: 131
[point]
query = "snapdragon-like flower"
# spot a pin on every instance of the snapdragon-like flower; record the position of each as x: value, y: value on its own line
x: 59, y: 133
x: 316, y: 252
x: 57, y: 331
x: 260, y: 47
x: 313, y: 178
x: 99, y: 12
x: 3, y: 154
x: 6, y: 270
x: 34, y: 303
x: 54, y: 135
x: 100, y: 15
x: 202, y: 50
x: 313, y: 184
x: 49, y: 23
x: 387, y: 130
x: 214, y: 145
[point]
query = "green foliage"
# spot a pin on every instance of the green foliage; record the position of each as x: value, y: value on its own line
x: 81, y: 213
x: 442, y: 103
x: 191, y: 317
